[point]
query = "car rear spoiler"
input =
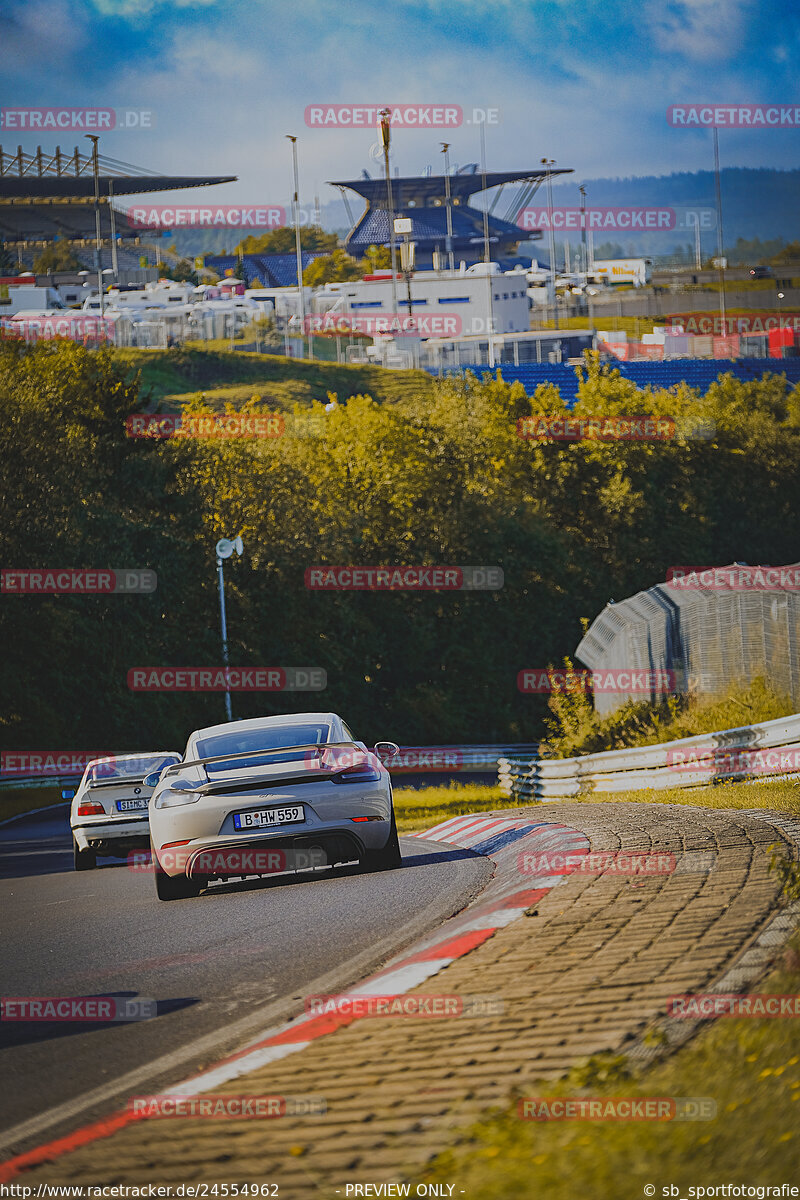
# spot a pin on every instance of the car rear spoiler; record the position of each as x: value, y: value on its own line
x: 319, y: 747
x: 117, y: 781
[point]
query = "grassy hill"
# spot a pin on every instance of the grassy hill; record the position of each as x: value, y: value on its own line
x: 170, y: 377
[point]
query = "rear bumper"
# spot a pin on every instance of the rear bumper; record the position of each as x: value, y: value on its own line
x: 273, y: 852
x: 113, y: 837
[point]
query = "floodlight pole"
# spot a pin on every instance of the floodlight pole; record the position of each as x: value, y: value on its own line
x: 94, y: 139
x: 584, y: 256
x: 550, y: 162
x: 297, y: 243
x: 114, y: 258
x: 448, y: 242
x: 385, y: 115
x: 224, y: 626
x: 720, y: 237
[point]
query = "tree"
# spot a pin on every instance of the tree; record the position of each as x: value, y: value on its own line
x: 378, y: 258
x: 7, y: 263
x: 789, y: 254
x: 282, y: 241
x: 331, y: 268
x: 57, y: 257
x: 180, y: 272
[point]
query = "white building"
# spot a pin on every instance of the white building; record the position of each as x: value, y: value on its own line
x: 479, y: 300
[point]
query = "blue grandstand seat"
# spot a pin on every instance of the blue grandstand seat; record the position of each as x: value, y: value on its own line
x: 698, y: 373
x: 273, y: 270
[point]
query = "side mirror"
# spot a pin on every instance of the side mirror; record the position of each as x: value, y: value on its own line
x: 152, y: 779
x: 386, y: 749
x: 67, y: 793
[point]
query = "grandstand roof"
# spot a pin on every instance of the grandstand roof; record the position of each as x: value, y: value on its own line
x: 417, y: 191
x: 71, y: 176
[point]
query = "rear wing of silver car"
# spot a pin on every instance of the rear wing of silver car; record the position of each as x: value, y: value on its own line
x: 317, y: 747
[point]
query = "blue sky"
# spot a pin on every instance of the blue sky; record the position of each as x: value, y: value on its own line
x: 582, y: 81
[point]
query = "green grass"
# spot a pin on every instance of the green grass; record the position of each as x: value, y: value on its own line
x: 750, y: 1068
x: 422, y: 808
x: 172, y: 376
x: 781, y: 795
x: 575, y: 728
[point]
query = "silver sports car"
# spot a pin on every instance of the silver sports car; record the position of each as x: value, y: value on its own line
x: 270, y: 795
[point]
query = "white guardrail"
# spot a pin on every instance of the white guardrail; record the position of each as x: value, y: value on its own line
x: 730, y: 754
x: 412, y: 760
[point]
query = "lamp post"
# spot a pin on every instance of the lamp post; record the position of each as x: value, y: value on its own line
x: 94, y: 139
x: 448, y: 241
x: 584, y: 258
x: 112, y: 219
x: 224, y: 549
x: 403, y: 226
x: 385, y: 130
x: 550, y: 162
x: 297, y: 245
x: 721, y: 264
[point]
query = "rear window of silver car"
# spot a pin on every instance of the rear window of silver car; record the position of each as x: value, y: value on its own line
x: 250, y: 740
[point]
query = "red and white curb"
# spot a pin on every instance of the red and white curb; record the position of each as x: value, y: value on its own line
x: 499, y: 838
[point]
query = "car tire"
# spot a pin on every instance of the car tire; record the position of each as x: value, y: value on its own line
x: 175, y: 887
x: 84, y: 860
x: 389, y: 858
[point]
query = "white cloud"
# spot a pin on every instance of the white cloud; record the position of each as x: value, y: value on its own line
x: 136, y: 9
x: 38, y: 34
x: 705, y: 30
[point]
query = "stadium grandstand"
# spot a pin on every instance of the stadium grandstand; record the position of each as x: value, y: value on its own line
x: 425, y: 201
x: 696, y: 372
x: 264, y: 270
x: 49, y: 198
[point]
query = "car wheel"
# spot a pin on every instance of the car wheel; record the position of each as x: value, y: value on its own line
x: 175, y: 887
x: 387, y: 859
x: 84, y: 860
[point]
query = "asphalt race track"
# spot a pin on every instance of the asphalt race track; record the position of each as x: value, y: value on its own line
x: 221, y: 967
